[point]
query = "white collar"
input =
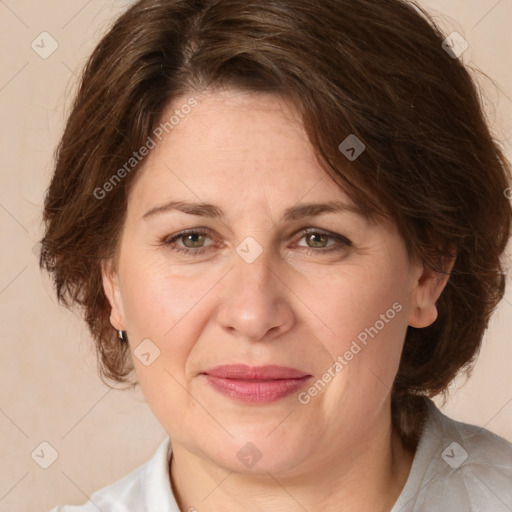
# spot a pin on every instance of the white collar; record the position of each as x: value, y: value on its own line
x: 157, y: 482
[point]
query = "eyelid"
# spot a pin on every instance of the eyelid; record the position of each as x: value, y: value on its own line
x: 170, y: 240
x: 189, y: 231
x: 336, y: 236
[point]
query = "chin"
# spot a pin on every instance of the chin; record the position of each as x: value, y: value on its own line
x: 257, y: 454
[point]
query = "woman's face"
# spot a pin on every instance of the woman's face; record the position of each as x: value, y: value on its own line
x: 260, y: 279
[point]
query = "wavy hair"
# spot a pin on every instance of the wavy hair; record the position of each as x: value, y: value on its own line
x: 373, y: 68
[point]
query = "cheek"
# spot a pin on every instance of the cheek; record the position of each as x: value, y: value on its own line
x: 369, y: 323
x: 157, y: 297
x: 355, y: 298
x: 363, y: 313
x: 157, y: 308
x: 163, y: 308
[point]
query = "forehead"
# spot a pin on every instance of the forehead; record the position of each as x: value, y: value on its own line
x: 235, y: 145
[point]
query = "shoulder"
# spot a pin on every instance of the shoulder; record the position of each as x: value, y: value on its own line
x: 459, y: 465
x: 470, y: 447
x: 131, y: 492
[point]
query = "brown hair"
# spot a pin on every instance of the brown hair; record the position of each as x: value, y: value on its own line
x: 372, y: 68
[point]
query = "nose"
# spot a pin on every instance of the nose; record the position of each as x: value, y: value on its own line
x: 255, y: 303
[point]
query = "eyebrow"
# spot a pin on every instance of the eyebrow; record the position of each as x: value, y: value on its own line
x: 293, y: 213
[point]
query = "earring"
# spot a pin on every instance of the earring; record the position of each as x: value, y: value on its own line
x: 122, y: 335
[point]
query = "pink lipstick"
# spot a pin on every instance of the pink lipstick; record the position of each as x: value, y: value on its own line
x: 256, y: 384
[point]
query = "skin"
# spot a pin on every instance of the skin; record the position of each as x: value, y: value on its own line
x: 294, y: 305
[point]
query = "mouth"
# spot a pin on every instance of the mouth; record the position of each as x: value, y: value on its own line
x: 256, y: 384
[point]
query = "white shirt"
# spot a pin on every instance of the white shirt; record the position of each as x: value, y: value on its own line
x: 456, y: 467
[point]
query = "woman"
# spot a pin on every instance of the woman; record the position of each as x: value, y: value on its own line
x: 286, y: 218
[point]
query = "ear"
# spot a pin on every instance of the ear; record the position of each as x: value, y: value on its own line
x: 110, y: 280
x: 429, y: 287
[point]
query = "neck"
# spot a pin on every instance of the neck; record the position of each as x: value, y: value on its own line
x: 370, y: 477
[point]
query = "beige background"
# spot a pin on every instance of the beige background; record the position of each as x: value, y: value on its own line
x: 49, y: 389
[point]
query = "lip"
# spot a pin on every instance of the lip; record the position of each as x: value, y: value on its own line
x: 246, y: 372
x: 256, y: 384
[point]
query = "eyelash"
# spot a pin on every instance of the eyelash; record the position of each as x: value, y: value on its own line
x: 343, y: 242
